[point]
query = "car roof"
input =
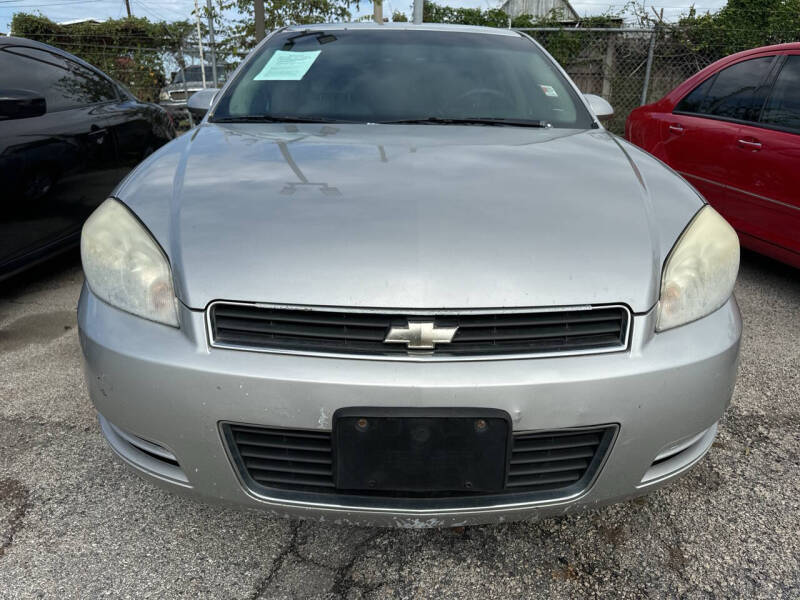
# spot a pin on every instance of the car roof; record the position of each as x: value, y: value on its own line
x: 440, y: 27
x: 732, y: 58
x: 18, y: 41
x: 773, y: 48
x: 689, y: 84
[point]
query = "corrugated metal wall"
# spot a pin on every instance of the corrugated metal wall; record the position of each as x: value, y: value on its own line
x: 539, y: 8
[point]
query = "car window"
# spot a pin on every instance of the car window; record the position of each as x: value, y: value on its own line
x: 733, y: 93
x: 379, y: 76
x: 124, y: 93
x: 694, y: 101
x: 783, y: 105
x: 63, y: 83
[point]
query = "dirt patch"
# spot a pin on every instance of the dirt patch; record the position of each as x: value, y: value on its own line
x: 38, y: 328
x: 14, y: 502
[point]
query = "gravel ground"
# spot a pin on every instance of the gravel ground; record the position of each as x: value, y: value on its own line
x: 74, y: 523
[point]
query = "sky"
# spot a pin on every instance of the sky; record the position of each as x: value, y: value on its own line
x: 170, y: 10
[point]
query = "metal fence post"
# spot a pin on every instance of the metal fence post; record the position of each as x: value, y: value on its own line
x: 181, y: 63
x: 608, y: 66
x: 624, y: 68
x: 212, y: 42
x: 200, y: 45
x: 649, y: 67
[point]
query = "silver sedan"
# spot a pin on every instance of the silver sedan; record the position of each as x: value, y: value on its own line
x: 402, y: 275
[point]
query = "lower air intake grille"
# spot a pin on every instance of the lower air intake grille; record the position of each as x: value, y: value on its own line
x: 285, y: 458
x: 472, y: 334
x: 547, y: 463
x: 551, y: 459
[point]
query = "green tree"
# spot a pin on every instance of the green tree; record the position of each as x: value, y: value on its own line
x: 739, y: 25
x: 131, y: 50
x: 240, y: 34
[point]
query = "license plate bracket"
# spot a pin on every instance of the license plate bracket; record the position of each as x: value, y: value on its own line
x: 421, y: 450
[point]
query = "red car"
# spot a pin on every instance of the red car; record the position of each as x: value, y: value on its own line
x: 733, y: 131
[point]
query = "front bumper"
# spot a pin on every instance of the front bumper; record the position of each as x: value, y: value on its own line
x: 167, y: 386
x: 173, y: 106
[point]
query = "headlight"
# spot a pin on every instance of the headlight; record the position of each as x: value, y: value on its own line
x: 700, y: 272
x: 164, y: 95
x: 125, y: 266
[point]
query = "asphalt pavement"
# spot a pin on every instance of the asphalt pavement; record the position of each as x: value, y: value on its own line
x: 75, y: 523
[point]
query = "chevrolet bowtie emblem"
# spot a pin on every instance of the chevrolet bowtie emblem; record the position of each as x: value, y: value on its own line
x: 420, y: 335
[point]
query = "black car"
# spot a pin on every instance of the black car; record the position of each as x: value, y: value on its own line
x: 68, y: 135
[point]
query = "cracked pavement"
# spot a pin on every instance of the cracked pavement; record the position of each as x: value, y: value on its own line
x: 75, y: 523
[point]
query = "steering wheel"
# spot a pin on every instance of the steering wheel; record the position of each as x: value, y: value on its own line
x: 470, y: 100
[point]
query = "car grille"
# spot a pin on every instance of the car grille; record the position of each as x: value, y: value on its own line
x: 551, y: 459
x: 258, y: 327
x: 561, y: 462
x: 177, y: 95
x: 285, y: 457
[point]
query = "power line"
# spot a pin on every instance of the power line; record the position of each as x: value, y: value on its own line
x: 101, y: 36
x: 110, y: 47
x: 150, y: 10
x: 25, y: 2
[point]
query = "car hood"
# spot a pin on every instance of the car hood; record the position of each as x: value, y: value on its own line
x: 417, y: 216
x: 191, y: 86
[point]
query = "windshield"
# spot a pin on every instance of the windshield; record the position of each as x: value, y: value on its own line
x: 400, y: 76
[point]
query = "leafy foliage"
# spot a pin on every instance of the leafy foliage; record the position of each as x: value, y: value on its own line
x: 438, y: 13
x: 496, y: 17
x: 131, y: 50
x: 563, y: 45
x: 240, y: 34
x: 739, y: 25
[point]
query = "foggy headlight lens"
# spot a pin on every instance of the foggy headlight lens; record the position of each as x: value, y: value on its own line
x: 700, y: 272
x: 125, y: 266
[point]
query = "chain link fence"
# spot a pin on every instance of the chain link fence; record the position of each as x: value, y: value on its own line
x: 627, y: 67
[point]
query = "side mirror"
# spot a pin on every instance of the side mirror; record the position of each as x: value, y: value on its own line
x: 21, y: 104
x: 199, y: 102
x: 600, y: 106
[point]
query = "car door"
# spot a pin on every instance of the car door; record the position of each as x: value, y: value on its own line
x: 54, y: 169
x: 133, y: 128
x: 765, y: 181
x: 700, y: 136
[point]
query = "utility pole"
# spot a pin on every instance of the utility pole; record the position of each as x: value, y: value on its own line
x: 417, y: 12
x: 128, y: 7
x: 377, y: 11
x: 200, y: 44
x: 259, y: 14
x: 212, y: 43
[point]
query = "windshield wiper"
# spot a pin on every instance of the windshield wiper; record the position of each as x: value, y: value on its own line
x: 470, y: 121
x: 424, y: 121
x: 274, y: 119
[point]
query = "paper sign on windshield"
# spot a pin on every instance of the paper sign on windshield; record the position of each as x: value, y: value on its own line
x: 287, y: 66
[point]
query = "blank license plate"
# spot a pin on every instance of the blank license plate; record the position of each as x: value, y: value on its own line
x: 421, y: 450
